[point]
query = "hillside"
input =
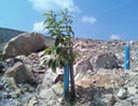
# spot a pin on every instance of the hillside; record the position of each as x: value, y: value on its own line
x: 100, y: 78
x: 6, y: 34
x: 99, y: 74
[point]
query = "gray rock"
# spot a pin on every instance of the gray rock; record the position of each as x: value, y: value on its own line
x: 48, y: 80
x: 107, y: 61
x: 82, y: 68
x: 1, y: 87
x: 107, y: 100
x: 32, y: 102
x: 123, y: 103
x: 132, y: 90
x: 24, y: 44
x: 133, y: 99
x: 51, y: 78
x: 122, y: 94
x: 21, y: 57
x: 20, y: 73
x: 52, y: 95
x: 3, y: 66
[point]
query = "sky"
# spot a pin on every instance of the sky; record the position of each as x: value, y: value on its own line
x: 94, y: 19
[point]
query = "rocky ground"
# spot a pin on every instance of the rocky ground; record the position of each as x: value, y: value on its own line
x: 100, y: 79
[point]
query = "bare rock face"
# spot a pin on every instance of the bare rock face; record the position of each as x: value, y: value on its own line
x: 107, y: 61
x: 24, y: 44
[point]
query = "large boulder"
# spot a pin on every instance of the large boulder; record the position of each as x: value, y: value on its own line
x: 107, y: 61
x: 24, y: 44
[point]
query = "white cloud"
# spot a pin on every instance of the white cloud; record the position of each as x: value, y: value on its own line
x: 115, y: 37
x: 88, y: 19
x: 38, y: 27
x: 46, y: 5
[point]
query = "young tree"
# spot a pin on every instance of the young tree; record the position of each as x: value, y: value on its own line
x: 59, y: 27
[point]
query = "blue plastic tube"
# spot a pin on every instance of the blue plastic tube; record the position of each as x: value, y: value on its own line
x: 66, y: 81
x: 127, y: 57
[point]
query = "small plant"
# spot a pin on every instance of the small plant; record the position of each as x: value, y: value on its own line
x: 61, y: 53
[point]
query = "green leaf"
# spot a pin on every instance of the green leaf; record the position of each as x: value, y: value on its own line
x: 48, y: 51
x: 59, y: 28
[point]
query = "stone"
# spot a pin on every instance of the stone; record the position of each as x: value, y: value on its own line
x: 133, y: 99
x: 41, y: 53
x: 32, y: 101
x: 102, y: 78
x: 16, y: 94
x: 122, y: 94
x: 20, y: 73
x: 2, y: 66
x: 123, y: 103
x: 51, y: 77
x: 1, y: 87
x: 58, y: 78
x: 107, y: 61
x: 107, y: 100
x: 24, y: 44
x: 21, y: 57
x: 11, y: 61
x: 48, y: 80
x: 82, y: 68
x: 132, y: 90
x: 52, y: 95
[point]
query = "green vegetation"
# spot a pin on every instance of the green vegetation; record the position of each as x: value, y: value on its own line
x: 61, y: 53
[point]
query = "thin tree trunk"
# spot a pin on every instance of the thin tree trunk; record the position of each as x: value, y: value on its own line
x: 72, y: 80
x: 72, y: 77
